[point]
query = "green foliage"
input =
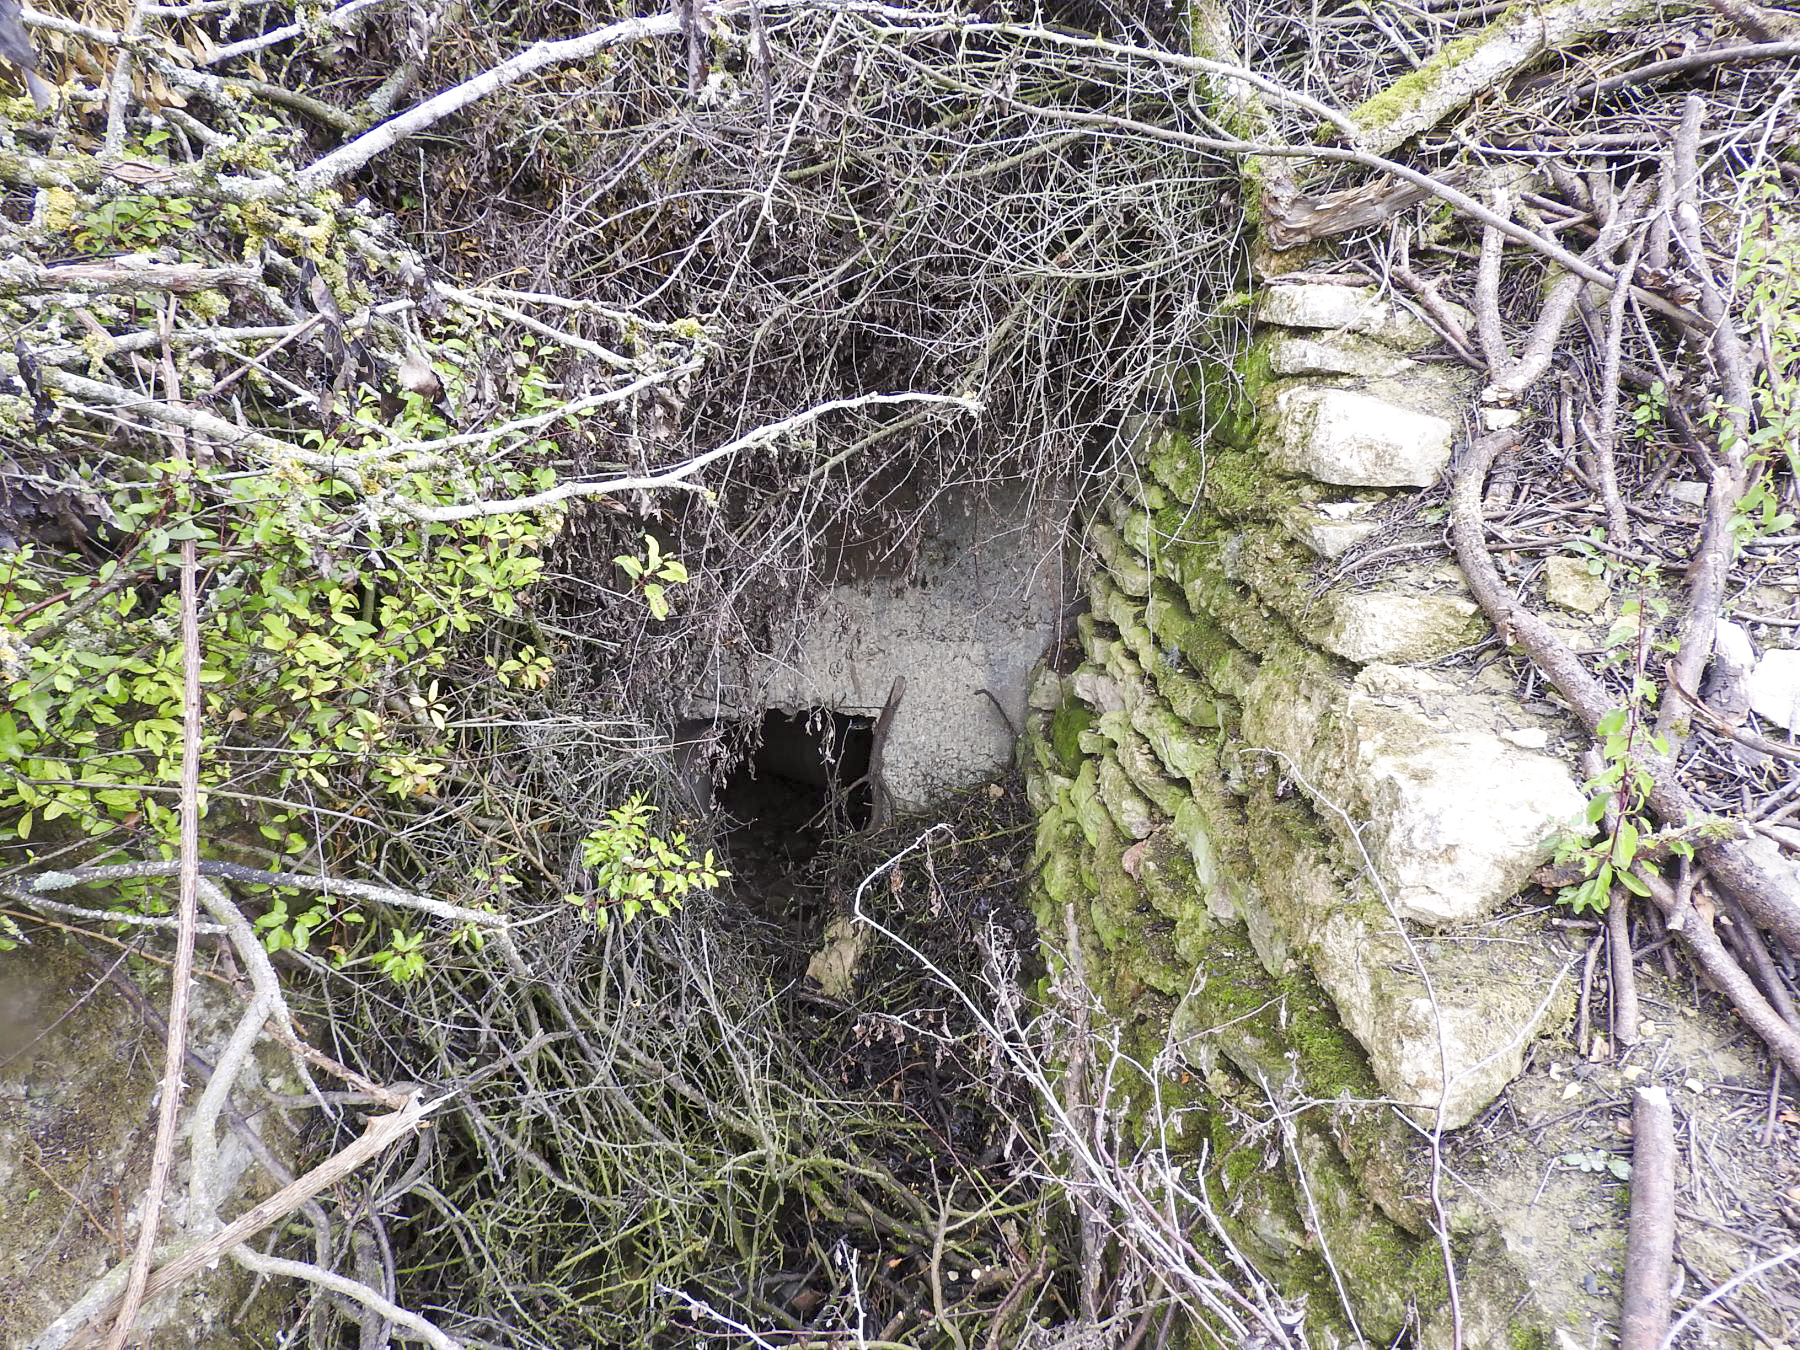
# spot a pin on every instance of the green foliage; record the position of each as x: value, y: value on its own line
x: 132, y: 223
x: 1769, y: 278
x: 1621, y: 790
x: 1648, y: 412
x: 634, y: 869
x: 653, y: 574
x: 402, y: 961
x: 285, y: 931
x: 328, y: 621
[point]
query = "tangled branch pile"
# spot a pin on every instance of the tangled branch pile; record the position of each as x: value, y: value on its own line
x: 768, y: 286
x: 225, y: 374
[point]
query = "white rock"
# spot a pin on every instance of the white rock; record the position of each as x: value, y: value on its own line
x: 1455, y: 818
x: 1686, y: 490
x: 1344, y: 437
x: 1355, y: 309
x: 1331, y: 528
x: 1463, y: 819
x: 1527, y: 738
x: 1727, y: 687
x: 1309, y: 356
x: 1775, y: 688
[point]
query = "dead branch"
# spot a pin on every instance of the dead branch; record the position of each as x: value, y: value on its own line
x: 1763, y: 885
x: 175, y: 1045
x: 1650, y: 1236
x: 130, y: 273
x: 1419, y: 101
x: 76, y: 1329
x: 1699, y: 60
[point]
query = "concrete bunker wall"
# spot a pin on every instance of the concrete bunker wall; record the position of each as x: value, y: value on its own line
x: 964, y: 631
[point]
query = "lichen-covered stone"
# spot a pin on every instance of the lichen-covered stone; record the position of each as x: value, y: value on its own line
x: 1130, y: 573
x: 1130, y: 810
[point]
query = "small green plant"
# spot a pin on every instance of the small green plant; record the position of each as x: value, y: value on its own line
x: 133, y: 222
x: 1648, y: 412
x: 1598, y: 1160
x: 1768, y: 274
x: 1620, y: 792
x: 634, y: 869
x: 653, y: 574
x: 402, y: 961
x: 283, y: 930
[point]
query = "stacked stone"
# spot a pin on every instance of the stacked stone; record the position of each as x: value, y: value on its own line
x: 1277, y: 827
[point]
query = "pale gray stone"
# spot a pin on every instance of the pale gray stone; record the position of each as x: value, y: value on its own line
x: 1331, y: 529
x: 1568, y: 582
x: 1352, y: 439
x: 965, y: 633
x: 1775, y: 689
x: 1354, y: 309
x: 1455, y: 818
x: 1688, y: 491
x: 1370, y: 626
x: 1345, y: 356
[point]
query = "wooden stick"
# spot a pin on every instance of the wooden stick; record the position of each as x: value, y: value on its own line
x: 1650, y: 1239
x: 188, y: 889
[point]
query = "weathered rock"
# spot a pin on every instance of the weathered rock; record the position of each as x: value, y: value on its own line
x: 1341, y: 356
x: 1354, y: 309
x: 1349, y: 438
x: 1330, y: 529
x: 1370, y: 626
x: 965, y: 633
x: 1459, y: 818
x: 79, y: 1072
x: 1569, y: 582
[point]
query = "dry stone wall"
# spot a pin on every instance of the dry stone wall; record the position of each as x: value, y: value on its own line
x: 1289, y: 828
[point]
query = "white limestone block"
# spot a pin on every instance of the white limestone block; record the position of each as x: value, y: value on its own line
x: 1355, y: 440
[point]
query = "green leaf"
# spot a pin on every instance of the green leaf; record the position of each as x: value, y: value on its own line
x: 1625, y: 844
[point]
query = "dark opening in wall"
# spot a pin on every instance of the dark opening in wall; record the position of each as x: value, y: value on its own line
x: 806, y: 780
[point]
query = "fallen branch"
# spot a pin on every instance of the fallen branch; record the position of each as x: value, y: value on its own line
x: 181, y: 979
x: 1684, y: 65
x: 133, y: 272
x: 251, y: 1259
x: 681, y: 476
x: 1650, y: 1238
x: 76, y: 1328
x: 50, y: 882
x: 1422, y: 98
x: 1751, y: 871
